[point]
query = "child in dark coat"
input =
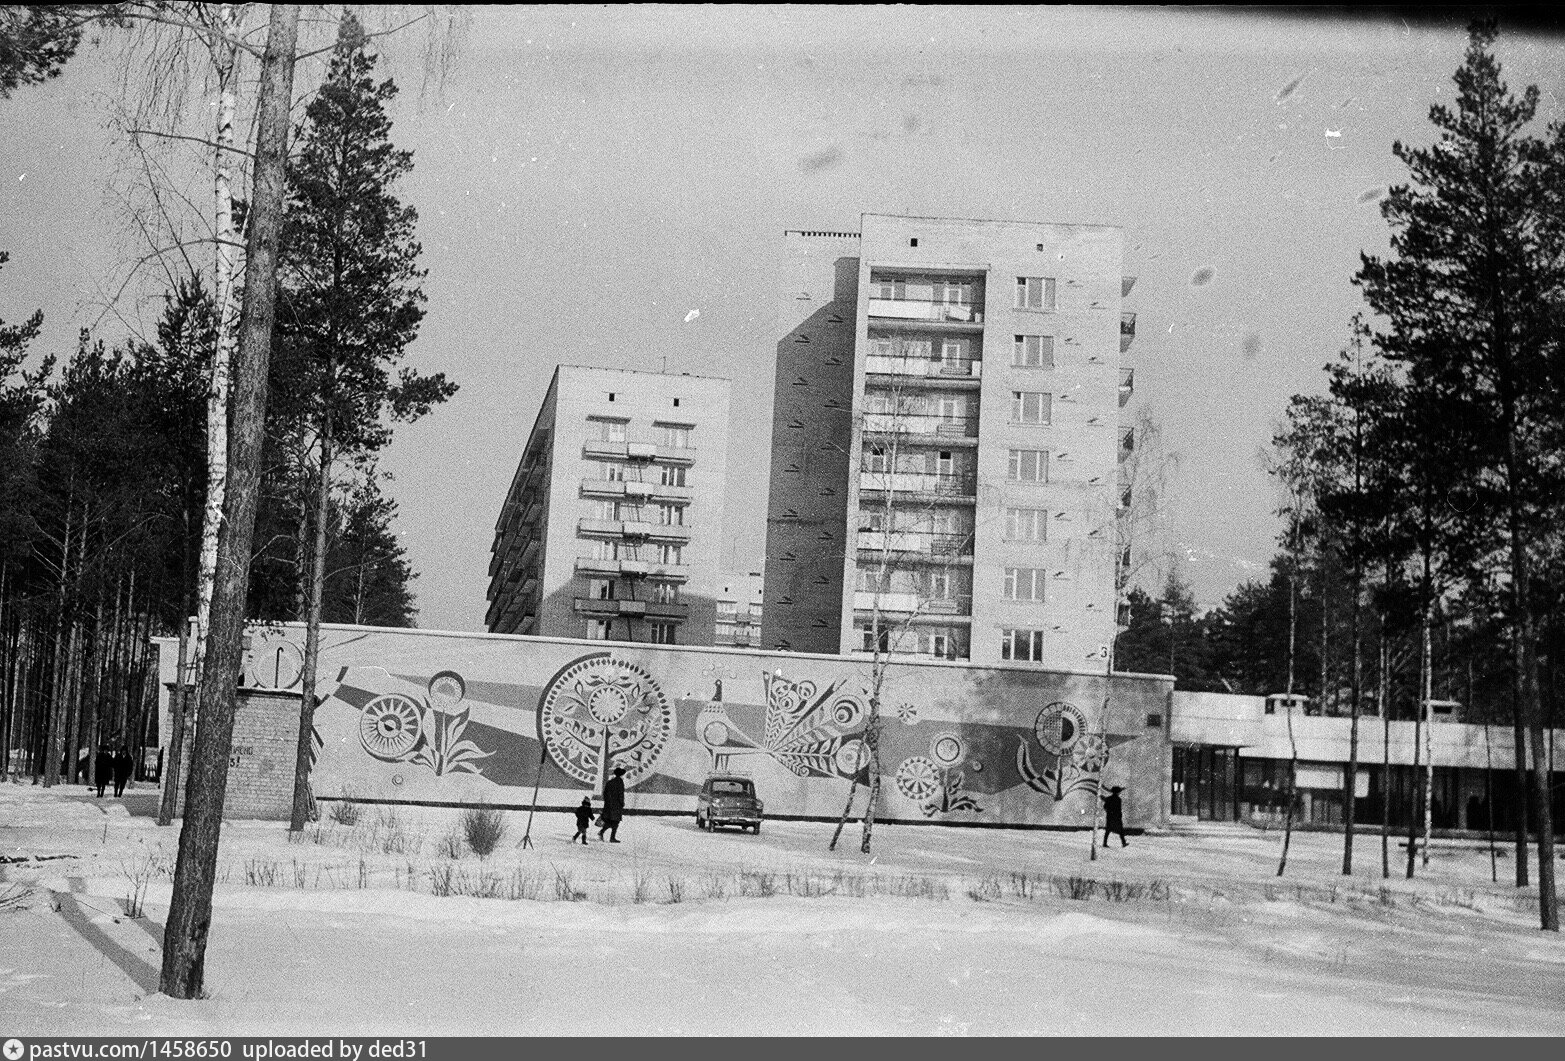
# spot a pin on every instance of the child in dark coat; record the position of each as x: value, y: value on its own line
x: 583, y: 819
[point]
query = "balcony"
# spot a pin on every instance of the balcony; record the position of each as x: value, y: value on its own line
x: 918, y: 606
x: 1127, y: 385
x: 933, y: 545
x: 866, y: 600
x: 1127, y: 331
x: 676, y: 454
x: 926, y: 311
x: 953, y: 370
x: 598, y: 448
x: 953, y: 486
x: 913, y: 657
x: 933, y: 427
x: 596, y: 567
x: 640, y: 451
x: 600, y: 607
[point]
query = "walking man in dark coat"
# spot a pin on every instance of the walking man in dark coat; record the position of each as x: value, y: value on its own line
x: 1114, y: 816
x: 103, y: 769
x: 613, y: 805
x: 124, y: 762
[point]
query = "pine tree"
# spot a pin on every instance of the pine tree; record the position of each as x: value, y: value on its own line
x: 350, y: 308
x: 1469, y: 298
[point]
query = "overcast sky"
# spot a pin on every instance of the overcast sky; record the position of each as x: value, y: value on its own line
x: 591, y: 175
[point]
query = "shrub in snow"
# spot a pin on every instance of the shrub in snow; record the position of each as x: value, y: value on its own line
x: 483, y: 827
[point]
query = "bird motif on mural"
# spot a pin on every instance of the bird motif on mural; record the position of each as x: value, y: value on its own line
x: 719, y: 734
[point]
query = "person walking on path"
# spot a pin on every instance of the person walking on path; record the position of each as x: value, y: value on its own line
x: 103, y: 769
x: 613, y: 805
x: 124, y: 762
x: 583, y: 819
x: 1114, y: 816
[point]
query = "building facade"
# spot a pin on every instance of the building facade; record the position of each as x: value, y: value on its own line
x: 946, y: 441
x: 612, y: 527
x: 739, y: 610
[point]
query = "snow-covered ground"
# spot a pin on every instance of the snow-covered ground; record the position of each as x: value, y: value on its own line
x: 674, y: 931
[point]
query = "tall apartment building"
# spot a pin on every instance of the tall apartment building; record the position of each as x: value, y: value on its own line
x: 612, y: 527
x: 946, y: 441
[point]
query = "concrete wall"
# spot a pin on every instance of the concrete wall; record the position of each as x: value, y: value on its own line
x: 441, y: 717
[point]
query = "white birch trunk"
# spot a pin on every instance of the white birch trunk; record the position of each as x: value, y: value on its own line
x: 226, y: 60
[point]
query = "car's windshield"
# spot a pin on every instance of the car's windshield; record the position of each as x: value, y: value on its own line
x: 730, y: 788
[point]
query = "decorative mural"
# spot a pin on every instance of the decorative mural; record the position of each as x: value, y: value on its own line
x: 465, y: 718
x: 396, y: 727
x: 599, y: 712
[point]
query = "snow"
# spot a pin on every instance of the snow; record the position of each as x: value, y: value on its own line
x: 944, y: 931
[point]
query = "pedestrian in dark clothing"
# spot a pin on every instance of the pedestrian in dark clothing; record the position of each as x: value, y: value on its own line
x: 613, y: 805
x: 103, y: 770
x: 583, y: 819
x: 1114, y: 816
x: 124, y: 764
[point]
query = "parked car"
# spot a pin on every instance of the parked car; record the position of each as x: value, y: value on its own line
x: 728, y: 799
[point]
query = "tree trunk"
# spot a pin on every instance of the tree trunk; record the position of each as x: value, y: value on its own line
x: 1293, y: 747
x: 178, y: 703
x: 1523, y: 786
x: 1350, y: 781
x: 190, y: 910
x: 1427, y: 684
x: 225, y: 58
x: 303, y: 798
x: 847, y: 812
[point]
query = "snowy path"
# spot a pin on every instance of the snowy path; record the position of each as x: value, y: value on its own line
x: 1228, y: 951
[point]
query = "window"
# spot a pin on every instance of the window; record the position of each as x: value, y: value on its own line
x: 600, y: 589
x: 671, y: 515
x: 1021, y: 644
x: 872, y: 521
x: 878, y: 460
x: 673, y: 436
x: 665, y: 593
x: 1024, y: 583
x: 1030, y: 407
x: 1029, y: 466
x: 939, y: 586
x: 945, y: 463
x: 954, y: 292
x: 613, y: 471
x: 597, y: 629
x: 670, y: 554
x: 663, y: 633
x: 1026, y: 525
x: 1033, y: 351
x: 609, y: 430
x: 872, y: 639
x: 1035, y: 292
x: 892, y: 289
x: 671, y: 475
x: 727, y: 609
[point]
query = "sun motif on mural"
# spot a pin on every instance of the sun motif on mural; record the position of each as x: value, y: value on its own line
x: 601, y: 712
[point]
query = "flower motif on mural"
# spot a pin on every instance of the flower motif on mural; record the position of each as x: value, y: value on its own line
x: 397, y: 727
x: 807, y: 728
x: 1075, y: 757
x: 907, y: 714
x: 935, y: 788
x: 599, y: 712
